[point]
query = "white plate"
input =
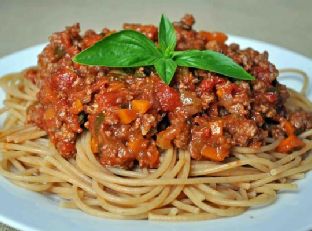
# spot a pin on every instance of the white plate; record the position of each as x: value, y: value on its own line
x: 27, y: 210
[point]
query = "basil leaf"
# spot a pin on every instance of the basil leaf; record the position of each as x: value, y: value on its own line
x: 129, y: 48
x: 211, y: 61
x: 126, y: 48
x: 166, y: 68
x: 167, y: 38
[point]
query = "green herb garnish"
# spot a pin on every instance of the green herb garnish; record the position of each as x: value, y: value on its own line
x: 129, y: 48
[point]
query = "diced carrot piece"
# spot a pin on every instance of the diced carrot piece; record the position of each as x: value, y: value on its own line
x: 288, y: 127
x: 217, y: 36
x: 220, y: 93
x: 289, y: 144
x: 210, y: 153
x: 76, y: 107
x: 215, y: 154
x: 49, y: 114
x: 165, y: 137
x: 94, y: 145
x: 204, y: 35
x: 140, y: 105
x: 136, y: 145
x: 126, y: 116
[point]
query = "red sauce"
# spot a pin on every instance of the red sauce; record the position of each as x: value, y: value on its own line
x: 132, y: 115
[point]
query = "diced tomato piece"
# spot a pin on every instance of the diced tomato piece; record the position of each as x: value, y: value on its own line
x: 207, y: 85
x: 168, y: 97
x: 271, y: 97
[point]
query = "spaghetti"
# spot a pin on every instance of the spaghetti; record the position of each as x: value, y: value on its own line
x: 179, y: 189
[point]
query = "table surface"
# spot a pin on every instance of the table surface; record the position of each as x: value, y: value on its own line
x: 284, y: 23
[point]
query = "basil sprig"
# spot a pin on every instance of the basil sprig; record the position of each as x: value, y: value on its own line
x: 129, y: 48
x: 167, y: 37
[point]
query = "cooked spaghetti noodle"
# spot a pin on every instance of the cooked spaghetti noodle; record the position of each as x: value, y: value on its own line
x: 179, y: 189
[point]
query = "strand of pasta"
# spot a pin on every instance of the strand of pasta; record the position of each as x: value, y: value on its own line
x: 304, y: 75
x: 176, y: 191
x: 98, y: 212
x: 144, y: 197
x: 203, y: 170
x: 193, y: 193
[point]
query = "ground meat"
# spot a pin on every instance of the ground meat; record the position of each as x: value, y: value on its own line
x: 277, y: 132
x: 242, y: 130
x: 182, y: 129
x: 149, y: 31
x: 301, y: 120
x: 132, y: 115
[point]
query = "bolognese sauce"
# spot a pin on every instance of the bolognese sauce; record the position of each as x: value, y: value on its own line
x: 132, y: 115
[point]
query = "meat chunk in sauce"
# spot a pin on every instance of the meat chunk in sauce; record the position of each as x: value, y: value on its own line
x: 132, y: 115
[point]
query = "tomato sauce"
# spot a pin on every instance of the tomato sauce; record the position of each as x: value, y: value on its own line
x: 132, y: 115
